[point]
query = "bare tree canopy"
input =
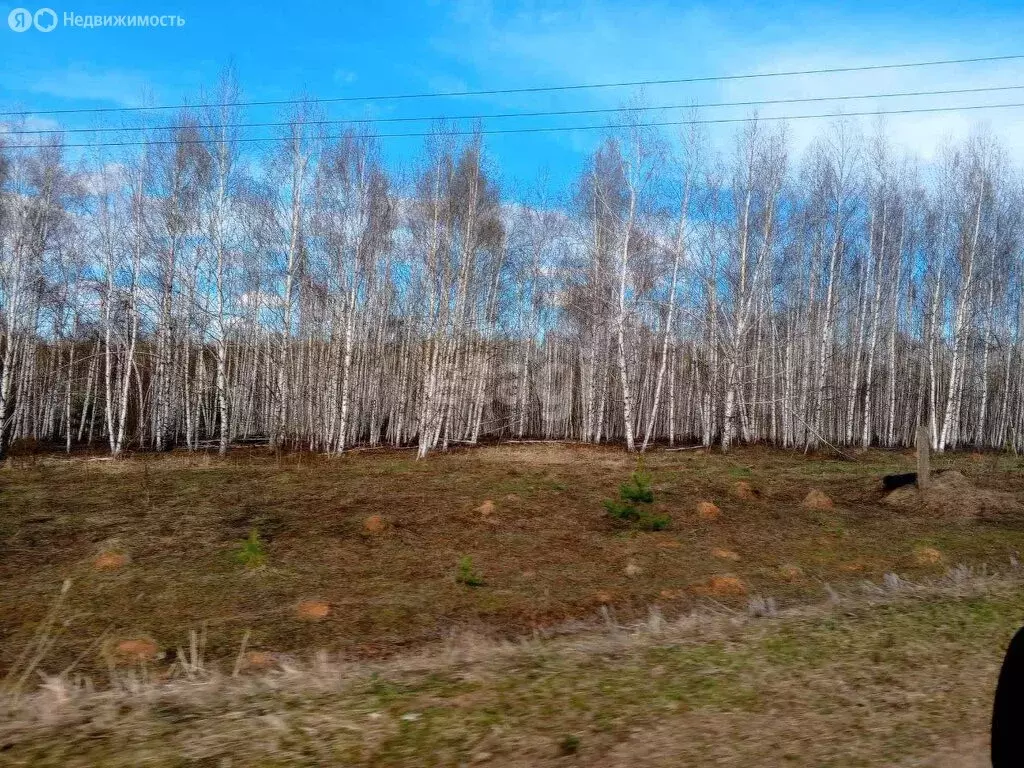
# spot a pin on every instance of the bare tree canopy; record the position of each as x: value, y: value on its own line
x: 188, y: 295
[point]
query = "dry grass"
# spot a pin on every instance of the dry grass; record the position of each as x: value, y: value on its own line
x: 815, y: 499
x: 893, y: 674
x: 721, y: 586
x: 529, y: 516
x: 953, y: 495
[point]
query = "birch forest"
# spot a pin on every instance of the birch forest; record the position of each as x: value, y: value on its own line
x: 193, y: 291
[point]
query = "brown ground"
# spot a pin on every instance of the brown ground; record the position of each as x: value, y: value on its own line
x: 952, y: 494
x: 529, y: 516
x: 900, y: 676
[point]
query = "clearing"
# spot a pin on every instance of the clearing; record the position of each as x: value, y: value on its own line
x: 358, y: 557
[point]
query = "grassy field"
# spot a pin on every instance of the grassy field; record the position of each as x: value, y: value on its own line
x: 359, y: 559
x: 901, y: 678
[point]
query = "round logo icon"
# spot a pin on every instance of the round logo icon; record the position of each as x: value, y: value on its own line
x: 20, y: 19
x: 45, y: 20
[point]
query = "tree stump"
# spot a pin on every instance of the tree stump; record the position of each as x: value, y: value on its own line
x: 923, y: 447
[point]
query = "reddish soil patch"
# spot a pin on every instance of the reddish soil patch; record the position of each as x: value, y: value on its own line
x: 672, y: 594
x: 722, y: 586
x: 670, y: 544
x: 259, y: 660
x: 708, y: 511
x: 137, y: 649
x: 745, y: 491
x: 817, y: 500
x: 110, y: 561
x: 312, y: 610
x: 375, y: 524
x: 725, y: 554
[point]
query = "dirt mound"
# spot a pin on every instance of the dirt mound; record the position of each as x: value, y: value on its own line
x: 486, y: 512
x: 817, y: 500
x: 137, y: 649
x: 375, y: 524
x: 721, y: 586
x: 747, y: 492
x: 312, y: 610
x: 951, y: 494
x: 791, y: 572
x: 927, y: 556
x: 110, y: 561
x: 949, y: 478
x: 708, y: 511
x: 259, y: 660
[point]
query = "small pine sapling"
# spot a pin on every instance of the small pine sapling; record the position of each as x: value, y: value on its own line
x: 251, y: 552
x: 466, y: 574
x: 632, y: 506
x: 569, y: 745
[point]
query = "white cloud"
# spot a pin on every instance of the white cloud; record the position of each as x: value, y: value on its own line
x: 922, y: 133
x: 80, y: 83
x: 601, y: 42
x: 28, y: 123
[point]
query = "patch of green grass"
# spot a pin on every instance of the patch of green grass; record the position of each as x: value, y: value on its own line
x: 466, y: 574
x: 251, y: 553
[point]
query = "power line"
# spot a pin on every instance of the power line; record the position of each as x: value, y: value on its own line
x: 543, y: 129
x: 504, y: 115
x: 534, y: 89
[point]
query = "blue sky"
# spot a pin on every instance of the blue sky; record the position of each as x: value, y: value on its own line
x: 283, y: 50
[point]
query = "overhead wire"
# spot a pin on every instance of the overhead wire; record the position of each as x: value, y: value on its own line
x: 538, y: 129
x: 507, y: 115
x: 525, y: 90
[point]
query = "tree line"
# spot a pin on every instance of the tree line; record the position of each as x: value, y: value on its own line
x: 184, y: 293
